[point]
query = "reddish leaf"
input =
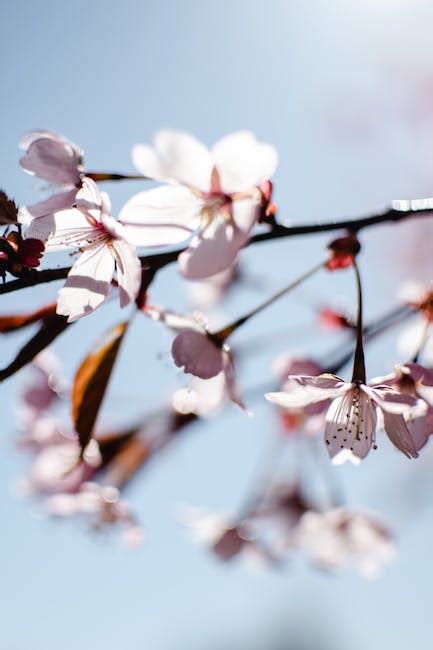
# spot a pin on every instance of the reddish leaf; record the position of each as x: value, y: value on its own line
x: 91, y: 382
x: 51, y: 328
x: 8, y: 210
x: 14, y: 322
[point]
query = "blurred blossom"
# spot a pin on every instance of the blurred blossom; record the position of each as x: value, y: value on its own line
x: 101, y: 506
x: 337, y: 537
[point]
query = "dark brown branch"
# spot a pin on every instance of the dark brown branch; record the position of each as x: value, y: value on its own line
x: 157, y: 261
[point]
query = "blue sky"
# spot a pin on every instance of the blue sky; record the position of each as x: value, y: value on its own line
x: 343, y: 89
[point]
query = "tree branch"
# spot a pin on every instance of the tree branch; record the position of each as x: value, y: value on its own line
x: 157, y: 261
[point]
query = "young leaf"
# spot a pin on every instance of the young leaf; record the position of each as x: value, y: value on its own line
x: 91, y: 381
x: 8, y: 210
x: 50, y: 329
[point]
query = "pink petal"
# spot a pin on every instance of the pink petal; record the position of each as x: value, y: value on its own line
x: 128, y: 271
x: 390, y: 400
x: 302, y: 391
x: 88, y: 283
x: 397, y: 431
x: 52, y: 158
x: 175, y: 157
x: 162, y: 216
x: 420, y: 429
x: 419, y: 373
x: 90, y: 200
x: 197, y: 354
x: 232, y: 388
x: 243, y: 162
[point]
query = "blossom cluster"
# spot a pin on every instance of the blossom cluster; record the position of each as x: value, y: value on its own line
x: 205, y: 206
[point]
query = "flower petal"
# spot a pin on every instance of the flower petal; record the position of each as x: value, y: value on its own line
x: 197, y: 354
x: 55, y: 203
x: 350, y: 426
x: 397, y: 431
x: 64, y: 229
x: 162, y: 216
x: 213, y: 250
x: 52, y: 157
x: 128, y: 270
x: 302, y: 390
x: 390, y: 400
x: 87, y: 284
x: 243, y: 162
x: 175, y: 157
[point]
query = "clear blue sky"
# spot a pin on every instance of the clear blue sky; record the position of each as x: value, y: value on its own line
x: 344, y: 90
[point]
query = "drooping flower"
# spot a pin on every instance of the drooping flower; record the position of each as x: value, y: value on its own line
x: 415, y: 380
x: 351, y: 419
x: 214, y: 194
x: 335, y: 537
x: 55, y: 159
x: 104, y: 247
x: 199, y: 352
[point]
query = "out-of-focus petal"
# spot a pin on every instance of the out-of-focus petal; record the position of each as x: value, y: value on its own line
x: 87, y: 284
x: 162, y: 216
x: 52, y: 157
x: 197, y: 354
x: 128, y: 270
x: 397, y: 431
x: 243, y: 162
x: 176, y: 157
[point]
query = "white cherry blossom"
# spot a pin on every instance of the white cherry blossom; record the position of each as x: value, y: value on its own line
x: 104, y: 247
x: 211, y: 194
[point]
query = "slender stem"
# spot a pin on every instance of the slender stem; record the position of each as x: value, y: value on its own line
x: 159, y: 260
x: 114, y: 176
x: 224, y: 333
x: 359, y: 374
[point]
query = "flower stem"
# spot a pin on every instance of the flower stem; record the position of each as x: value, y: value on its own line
x: 358, y: 374
x: 222, y: 335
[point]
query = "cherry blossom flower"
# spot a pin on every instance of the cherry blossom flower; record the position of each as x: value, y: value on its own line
x: 212, y: 194
x: 102, y: 505
x: 415, y: 380
x: 104, y: 246
x: 335, y: 537
x: 55, y: 159
x: 226, y: 538
x: 308, y: 419
x: 198, y: 351
x: 351, y: 419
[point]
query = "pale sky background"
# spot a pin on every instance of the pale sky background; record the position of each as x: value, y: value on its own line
x: 345, y: 91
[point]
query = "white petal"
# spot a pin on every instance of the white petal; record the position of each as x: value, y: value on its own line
x: 213, y: 250
x: 243, y: 161
x: 51, y: 157
x: 302, y: 391
x: 90, y: 200
x: 175, y: 157
x: 128, y: 270
x: 162, y: 216
x: 55, y: 203
x: 87, y: 284
x: 64, y: 229
x: 350, y: 425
